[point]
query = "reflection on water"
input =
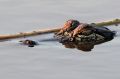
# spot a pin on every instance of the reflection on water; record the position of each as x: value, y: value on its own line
x: 82, y: 46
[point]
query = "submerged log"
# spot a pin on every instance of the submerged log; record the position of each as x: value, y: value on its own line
x: 45, y: 31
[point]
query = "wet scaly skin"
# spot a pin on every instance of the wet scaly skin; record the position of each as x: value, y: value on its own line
x: 69, y: 26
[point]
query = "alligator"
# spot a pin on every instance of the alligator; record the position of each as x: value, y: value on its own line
x: 91, y: 35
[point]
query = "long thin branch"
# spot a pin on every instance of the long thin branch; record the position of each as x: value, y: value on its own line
x: 39, y: 32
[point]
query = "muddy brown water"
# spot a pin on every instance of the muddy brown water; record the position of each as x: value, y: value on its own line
x: 50, y: 59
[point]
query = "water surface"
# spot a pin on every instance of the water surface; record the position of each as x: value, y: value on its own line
x: 50, y: 60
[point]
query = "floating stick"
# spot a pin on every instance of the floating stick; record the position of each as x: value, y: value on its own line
x: 45, y: 31
x: 108, y: 23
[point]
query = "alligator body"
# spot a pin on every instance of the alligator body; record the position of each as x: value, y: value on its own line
x: 100, y: 35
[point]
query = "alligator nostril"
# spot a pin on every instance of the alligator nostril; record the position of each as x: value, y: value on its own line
x: 30, y: 43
